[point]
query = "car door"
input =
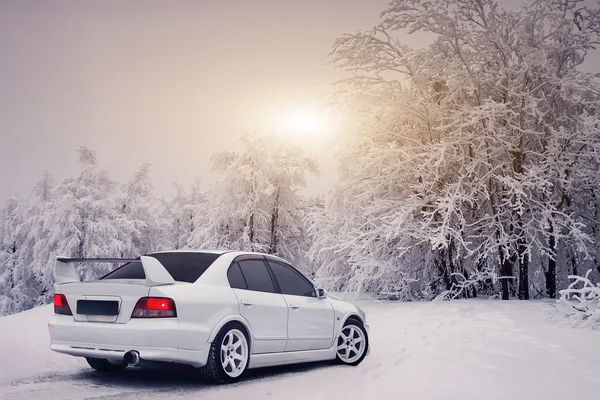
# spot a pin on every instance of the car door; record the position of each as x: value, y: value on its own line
x: 265, y: 310
x: 310, y: 319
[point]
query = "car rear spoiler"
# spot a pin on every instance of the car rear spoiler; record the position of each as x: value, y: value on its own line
x: 156, y: 273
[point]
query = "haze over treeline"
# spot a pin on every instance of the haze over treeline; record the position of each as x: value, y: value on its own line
x: 470, y: 168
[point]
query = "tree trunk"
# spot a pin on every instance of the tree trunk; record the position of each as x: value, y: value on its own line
x: 251, y: 230
x: 523, y: 259
x: 274, y: 226
x: 451, y: 266
x: 487, y: 285
x: 440, y: 262
x: 523, y: 271
x: 253, y: 207
x: 506, y: 266
x: 551, y: 273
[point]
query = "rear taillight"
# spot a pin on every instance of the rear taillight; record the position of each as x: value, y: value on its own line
x: 61, y: 306
x: 154, y: 307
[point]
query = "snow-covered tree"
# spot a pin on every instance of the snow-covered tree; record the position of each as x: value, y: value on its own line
x: 142, y: 209
x: 180, y: 211
x: 468, y: 154
x: 11, y: 244
x: 580, y: 302
x: 21, y: 228
x: 33, y: 231
x: 256, y: 204
x: 82, y: 220
x: 289, y: 168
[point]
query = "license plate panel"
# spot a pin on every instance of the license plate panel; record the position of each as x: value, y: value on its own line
x: 100, y: 318
x: 98, y: 307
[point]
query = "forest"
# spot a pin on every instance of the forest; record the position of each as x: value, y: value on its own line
x: 468, y: 168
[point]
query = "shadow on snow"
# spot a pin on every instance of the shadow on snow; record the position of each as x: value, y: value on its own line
x: 169, y: 377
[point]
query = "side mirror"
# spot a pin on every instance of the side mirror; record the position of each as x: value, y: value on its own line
x: 321, y: 293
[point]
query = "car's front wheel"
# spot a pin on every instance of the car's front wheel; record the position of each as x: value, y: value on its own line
x: 228, y: 356
x: 106, y: 366
x: 352, y: 343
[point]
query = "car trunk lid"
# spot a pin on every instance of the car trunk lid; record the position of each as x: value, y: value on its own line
x: 104, y: 301
x: 109, y: 300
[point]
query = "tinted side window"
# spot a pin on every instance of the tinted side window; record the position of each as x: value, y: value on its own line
x: 131, y: 270
x: 291, y: 281
x: 257, y: 276
x: 235, y: 277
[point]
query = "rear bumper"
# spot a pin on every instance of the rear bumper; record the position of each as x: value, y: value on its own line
x: 155, y: 340
x: 95, y: 350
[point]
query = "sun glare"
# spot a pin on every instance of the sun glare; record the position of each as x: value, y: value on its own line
x: 304, y: 123
x: 309, y: 123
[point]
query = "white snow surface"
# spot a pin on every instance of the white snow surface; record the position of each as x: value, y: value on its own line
x: 473, y: 349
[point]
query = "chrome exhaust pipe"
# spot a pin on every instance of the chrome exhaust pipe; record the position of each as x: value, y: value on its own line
x: 132, y: 357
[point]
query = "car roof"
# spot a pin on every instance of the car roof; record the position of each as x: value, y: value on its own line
x: 217, y: 251
x: 211, y: 251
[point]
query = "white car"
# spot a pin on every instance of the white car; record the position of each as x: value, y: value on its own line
x: 220, y: 311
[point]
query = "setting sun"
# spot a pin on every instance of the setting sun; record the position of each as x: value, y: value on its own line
x: 305, y: 123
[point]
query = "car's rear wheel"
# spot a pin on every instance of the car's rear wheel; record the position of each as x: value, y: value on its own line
x: 228, y: 356
x: 106, y: 366
x: 352, y: 343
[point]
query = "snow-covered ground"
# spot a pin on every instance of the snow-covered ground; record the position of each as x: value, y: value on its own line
x: 476, y: 349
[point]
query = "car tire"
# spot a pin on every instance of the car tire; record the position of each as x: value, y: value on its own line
x: 352, y: 343
x: 105, y: 366
x: 228, y: 356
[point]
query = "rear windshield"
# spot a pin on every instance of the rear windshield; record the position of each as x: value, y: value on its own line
x: 183, y: 267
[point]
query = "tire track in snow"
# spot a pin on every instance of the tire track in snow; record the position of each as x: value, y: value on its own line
x: 137, y: 383
x: 419, y: 331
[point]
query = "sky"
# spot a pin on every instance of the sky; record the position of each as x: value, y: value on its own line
x: 167, y: 81
x: 171, y: 82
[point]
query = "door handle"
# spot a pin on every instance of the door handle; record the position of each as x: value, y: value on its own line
x: 295, y: 307
x: 246, y: 302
